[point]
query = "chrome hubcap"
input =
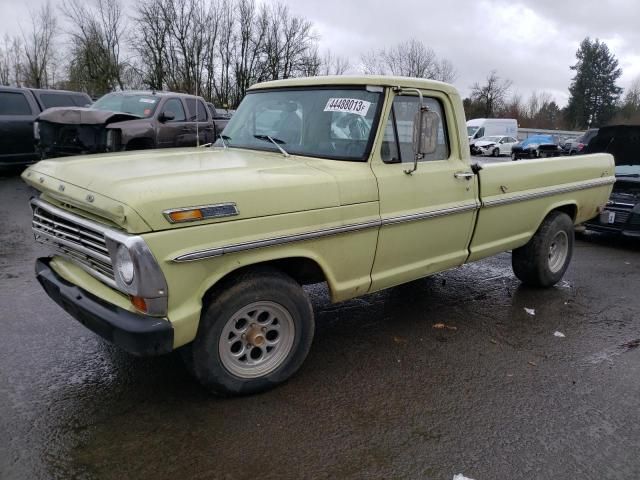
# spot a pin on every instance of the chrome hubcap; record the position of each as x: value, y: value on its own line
x: 558, y: 250
x: 256, y: 339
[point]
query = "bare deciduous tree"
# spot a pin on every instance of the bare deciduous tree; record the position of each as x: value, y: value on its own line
x: 334, y: 64
x: 39, y: 55
x: 491, y: 95
x: 96, y: 31
x: 409, y: 59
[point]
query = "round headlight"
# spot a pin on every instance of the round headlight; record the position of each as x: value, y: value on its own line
x: 124, y: 265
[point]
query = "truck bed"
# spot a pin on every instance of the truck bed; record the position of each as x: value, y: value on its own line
x: 516, y: 196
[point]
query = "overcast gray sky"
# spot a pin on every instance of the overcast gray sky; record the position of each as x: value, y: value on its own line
x: 531, y: 42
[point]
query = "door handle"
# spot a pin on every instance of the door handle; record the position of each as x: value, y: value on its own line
x: 463, y: 175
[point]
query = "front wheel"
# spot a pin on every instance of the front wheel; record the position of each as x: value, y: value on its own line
x: 254, y: 334
x: 496, y: 152
x: 544, y: 259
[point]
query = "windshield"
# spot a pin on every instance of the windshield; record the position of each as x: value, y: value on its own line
x: 471, y: 130
x: 627, y: 169
x: 318, y: 122
x: 140, y: 105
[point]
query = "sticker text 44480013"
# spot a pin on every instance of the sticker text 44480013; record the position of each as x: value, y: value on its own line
x: 348, y: 105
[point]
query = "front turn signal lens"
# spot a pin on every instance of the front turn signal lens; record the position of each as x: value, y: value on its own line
x: 140, y: 303
x: 186, y: 215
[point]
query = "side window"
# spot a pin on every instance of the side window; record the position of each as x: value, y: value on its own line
x: 191, y: 110
x: 174, y: 106
x: 397, y: 143
x: 14, y: 103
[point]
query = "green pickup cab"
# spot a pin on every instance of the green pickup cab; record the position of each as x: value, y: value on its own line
x: 360, y: 182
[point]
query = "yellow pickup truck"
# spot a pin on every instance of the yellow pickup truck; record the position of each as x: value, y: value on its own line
x: 360, y: 182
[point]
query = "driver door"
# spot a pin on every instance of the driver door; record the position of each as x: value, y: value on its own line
x: 427, y: 216
x: 171, y: 132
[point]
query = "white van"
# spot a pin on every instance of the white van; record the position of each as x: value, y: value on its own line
x: 484, y: 127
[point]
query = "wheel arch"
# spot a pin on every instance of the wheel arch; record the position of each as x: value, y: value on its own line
x: 305, y: 270
x: 570, y: 207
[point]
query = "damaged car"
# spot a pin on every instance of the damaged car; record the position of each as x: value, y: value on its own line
x: 494, y: 146
x: 622, y: 213
x: 125, y: 121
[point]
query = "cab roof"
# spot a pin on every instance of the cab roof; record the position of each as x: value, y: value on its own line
x: 375, y: 80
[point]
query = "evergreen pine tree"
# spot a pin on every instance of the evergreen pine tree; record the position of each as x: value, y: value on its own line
x: 593, y: 90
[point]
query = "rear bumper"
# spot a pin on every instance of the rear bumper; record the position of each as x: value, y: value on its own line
x: 135, y: 333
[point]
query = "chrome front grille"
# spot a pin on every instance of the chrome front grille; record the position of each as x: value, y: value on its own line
x: 74, y: 239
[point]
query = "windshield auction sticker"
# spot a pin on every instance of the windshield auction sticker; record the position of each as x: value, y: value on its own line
x: 348, y: 105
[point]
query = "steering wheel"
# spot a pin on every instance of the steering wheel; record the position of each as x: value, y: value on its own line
x: 358, y: 128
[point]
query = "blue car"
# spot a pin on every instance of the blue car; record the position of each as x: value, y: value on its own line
x: 537, y: 146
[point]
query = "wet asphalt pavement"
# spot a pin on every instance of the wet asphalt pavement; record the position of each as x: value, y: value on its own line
x: 383, y: 394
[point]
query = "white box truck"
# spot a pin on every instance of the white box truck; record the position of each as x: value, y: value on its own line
x: 484, y: 127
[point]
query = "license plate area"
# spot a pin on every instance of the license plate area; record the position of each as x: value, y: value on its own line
x: 608, y: 217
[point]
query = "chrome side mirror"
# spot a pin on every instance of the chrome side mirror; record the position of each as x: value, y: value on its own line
x: 425, y: 132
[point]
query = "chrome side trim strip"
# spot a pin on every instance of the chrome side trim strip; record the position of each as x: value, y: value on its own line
x: 239, y: 247
x: 269, y: 242
x: 431, y: 214
x: 547, y: 193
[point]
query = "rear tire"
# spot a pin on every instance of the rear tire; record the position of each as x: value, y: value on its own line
x: 253, y: 335
x: 514, y: 157
x: 545, y: 258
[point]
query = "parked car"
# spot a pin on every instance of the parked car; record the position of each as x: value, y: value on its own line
x: 125, y: 121
x: 220, y: 118
x: 18, y: 109
x: 208, y: 250
x: 576, y: 146
x: 537, y: 146
x: 494, y: 146
x: 622, y: 213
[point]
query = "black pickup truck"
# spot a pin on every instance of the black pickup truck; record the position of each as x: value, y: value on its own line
x: 622, y: 213
x: 18, y: 109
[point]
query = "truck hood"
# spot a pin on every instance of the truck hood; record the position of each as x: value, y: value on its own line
x: 83, y: 116
x: 133, y: 189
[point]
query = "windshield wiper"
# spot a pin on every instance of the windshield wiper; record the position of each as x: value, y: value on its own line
x: 222, y: 139
x: 275, y: 141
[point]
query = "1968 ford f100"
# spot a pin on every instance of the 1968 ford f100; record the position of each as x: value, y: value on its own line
x: 360, y: 182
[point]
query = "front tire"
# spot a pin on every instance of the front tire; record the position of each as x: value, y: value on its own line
x: 543, y: 261
x: 496, y: 152
x: 253, y: 335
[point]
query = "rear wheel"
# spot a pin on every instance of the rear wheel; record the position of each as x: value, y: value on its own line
x: 254, y: 334
x: 544, y: 259
x: 514, y: 157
